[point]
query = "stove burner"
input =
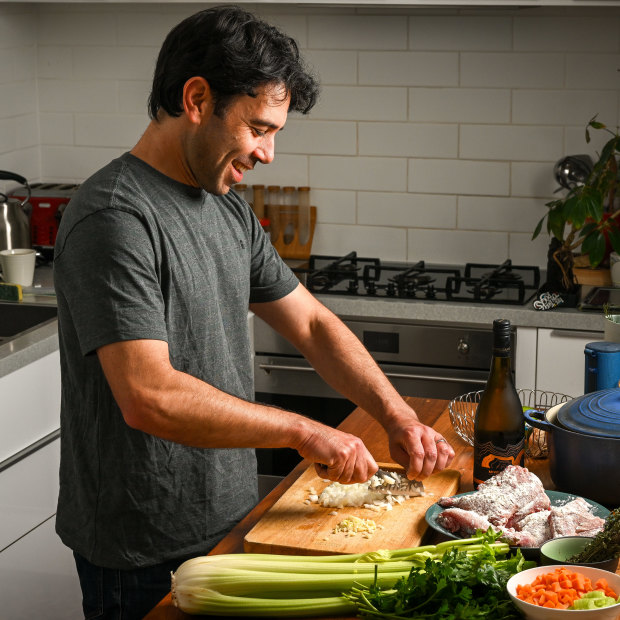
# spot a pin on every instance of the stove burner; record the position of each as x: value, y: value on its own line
x: 480, y: 283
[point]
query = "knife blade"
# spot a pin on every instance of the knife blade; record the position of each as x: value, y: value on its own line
x: 392, y: 483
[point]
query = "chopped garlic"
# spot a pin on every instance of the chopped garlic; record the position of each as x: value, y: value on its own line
x: 352, y: 525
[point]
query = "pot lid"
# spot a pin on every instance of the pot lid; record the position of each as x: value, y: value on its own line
x: 596, y: 413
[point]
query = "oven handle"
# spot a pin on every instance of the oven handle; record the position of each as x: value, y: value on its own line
x: 395, y: 375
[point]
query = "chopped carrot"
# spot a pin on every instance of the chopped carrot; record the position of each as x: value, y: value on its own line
x: 560, y: 588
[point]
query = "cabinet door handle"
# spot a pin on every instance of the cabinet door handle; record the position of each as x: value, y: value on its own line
x: 28, y: 450
x: 569, y: 333
x: 395, y: 375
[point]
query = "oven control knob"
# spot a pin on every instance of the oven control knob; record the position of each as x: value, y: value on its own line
x: 463, y: 347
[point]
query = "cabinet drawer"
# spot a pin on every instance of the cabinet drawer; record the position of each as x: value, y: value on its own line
x: 28, y: 492
x: 560, y: 361
x: 30, y: 398
x: 38, y: 579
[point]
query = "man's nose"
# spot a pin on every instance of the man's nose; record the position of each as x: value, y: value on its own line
x: 265, y: 151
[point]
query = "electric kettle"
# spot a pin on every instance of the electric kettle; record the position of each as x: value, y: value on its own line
x: 14, y: 219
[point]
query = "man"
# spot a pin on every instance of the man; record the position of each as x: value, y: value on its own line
x: 156, y: 265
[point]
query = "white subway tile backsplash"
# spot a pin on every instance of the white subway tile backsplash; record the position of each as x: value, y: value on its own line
x: 535, y: 180
x: 407, y: 210
x: 435, y: 135
x: 342, y: 32
x: 510, y: 142
x: 408, y: 139
x: 596, y: 71
x: 333, y: 67
x: 284, y: 170
x: 317, y: 137
x: 564, y: 33
x: 334, y: 206
x: 55, y: 62
x: 441, y: 176
x: 459, y: 105
x: 133, y: 96
x: 523, y: 250
x: 143, y: 28
x: 388, y: 243
x: 8, y: 138
x: 362, y: 173
x: 456, y: 246
x: 409, y: 68
x: 500, y: 213
x: 563, y: 107
x: 105, y: 130
x: 75, y: 163
x: 119, y: 63
x: 56, y: 128
x: 77, y: 96
x: 362, y: 103
x: 460, y: 33
x: 97, y: 27
x: 7, y: 68
x: 512, y: 70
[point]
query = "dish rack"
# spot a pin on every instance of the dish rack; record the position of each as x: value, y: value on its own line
x: 462, y: 410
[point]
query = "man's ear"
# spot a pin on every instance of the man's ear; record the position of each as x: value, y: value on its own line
x: 197, y: 99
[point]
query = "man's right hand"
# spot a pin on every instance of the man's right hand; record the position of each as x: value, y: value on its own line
x: 337, y: 456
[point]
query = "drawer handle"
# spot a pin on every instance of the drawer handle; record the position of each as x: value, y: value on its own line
x: 28, y: 450
x: 395, y: 375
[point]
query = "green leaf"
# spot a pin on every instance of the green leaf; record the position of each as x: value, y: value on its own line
x: 538, y: 227
x: 594, y: 246
x: 613, y: 235
x: 556, y: 223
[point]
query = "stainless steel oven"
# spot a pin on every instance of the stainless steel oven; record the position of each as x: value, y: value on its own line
x: 429, y: 361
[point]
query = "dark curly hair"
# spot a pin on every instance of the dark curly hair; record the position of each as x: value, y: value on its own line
x: 236, y: 53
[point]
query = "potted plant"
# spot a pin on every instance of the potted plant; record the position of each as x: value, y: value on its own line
x: 586, y: 220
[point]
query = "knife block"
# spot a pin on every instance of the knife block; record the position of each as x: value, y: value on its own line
x: 284, y: 228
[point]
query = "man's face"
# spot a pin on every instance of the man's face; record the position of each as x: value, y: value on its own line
x: 223, y: 148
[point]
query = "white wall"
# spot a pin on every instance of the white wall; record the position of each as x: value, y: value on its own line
x: 435, y: 136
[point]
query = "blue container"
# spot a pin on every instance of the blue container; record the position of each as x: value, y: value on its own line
x: 602, y: 366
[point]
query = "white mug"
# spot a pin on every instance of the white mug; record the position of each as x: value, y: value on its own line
x: 18, y: 266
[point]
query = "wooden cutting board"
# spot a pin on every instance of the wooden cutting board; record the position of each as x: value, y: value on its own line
x: 292, y: 526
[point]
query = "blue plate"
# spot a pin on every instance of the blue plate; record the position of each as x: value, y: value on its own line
x: 557, y: 498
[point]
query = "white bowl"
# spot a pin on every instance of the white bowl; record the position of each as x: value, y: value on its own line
x: 534, y: 612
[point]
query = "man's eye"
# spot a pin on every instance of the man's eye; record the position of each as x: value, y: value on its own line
x: 258, y: 132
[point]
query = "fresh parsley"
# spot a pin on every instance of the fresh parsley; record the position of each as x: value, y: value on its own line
x: 459, y: 586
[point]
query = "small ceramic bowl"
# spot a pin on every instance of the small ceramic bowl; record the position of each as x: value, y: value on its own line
x: 534, y: 612
x: 559, y: 550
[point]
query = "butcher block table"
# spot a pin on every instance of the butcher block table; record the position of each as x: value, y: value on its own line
x: 255, y: 528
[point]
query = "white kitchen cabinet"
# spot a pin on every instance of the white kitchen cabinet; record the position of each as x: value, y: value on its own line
x: 30, y: 398
x: 560, y: 360
x: 38, y: 578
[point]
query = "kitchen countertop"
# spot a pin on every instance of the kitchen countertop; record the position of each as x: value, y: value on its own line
x: 430, y: 411
x: 35, y: 343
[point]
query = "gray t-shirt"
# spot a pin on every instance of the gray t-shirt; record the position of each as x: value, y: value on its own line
x: 140, y: 256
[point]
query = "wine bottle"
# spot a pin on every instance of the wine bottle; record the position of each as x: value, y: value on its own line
x: 499, y: 426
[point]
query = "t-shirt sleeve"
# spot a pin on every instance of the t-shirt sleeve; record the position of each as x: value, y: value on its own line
x: 108, y: 276
x: 271, y: 278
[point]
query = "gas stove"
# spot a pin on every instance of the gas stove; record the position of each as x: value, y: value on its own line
x: 353, y: 275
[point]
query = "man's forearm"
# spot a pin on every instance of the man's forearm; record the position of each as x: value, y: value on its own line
x: 343, y: 362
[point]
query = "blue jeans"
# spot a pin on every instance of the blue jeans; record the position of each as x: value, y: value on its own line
x: 110, y: 594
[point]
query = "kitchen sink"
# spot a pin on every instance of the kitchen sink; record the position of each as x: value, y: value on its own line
x: 15, y: 319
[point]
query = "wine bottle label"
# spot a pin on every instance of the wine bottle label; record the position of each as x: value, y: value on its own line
x: 490, y: 459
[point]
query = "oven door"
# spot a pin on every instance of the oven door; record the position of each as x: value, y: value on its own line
x: 291, y: 383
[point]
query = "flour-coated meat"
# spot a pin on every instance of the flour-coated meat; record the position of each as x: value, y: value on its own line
x: 503, y: 496
x: 574, y: 519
